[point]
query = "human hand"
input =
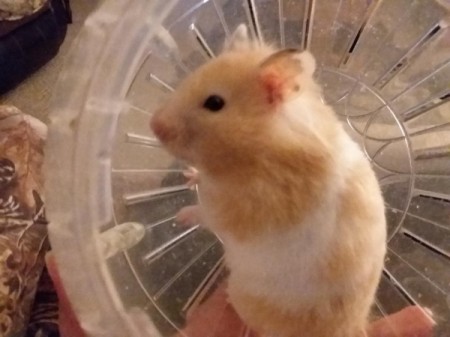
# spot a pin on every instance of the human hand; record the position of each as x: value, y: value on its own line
x: 217, y: 318
x: 409, y: 322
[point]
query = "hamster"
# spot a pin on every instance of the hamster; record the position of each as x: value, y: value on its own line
x: 290, y: 194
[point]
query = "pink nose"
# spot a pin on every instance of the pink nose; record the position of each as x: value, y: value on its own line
x: 161, y: 130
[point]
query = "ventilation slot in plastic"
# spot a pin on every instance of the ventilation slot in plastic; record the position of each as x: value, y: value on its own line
x: 253, y: 18
x: 201, y: 41
x: 409, y: 55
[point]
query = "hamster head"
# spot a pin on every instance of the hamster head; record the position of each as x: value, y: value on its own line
x: 226, y: 109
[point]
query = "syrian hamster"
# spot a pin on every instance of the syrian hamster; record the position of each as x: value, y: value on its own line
x: 292, y: 197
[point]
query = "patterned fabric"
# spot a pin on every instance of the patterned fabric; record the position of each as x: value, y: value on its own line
x: 17, y: 9
x: 44, y: 314
x: 23, y: 227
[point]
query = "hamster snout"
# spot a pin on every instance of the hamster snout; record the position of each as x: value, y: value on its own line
x: 161, y: 130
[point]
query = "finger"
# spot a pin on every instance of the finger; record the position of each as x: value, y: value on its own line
x: 214, y: 318
x: 409, y: 322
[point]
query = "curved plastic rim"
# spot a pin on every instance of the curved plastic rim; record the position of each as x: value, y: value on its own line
x: 89, y: 97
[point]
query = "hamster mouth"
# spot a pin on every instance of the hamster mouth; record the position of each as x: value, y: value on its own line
x: 171, y: 137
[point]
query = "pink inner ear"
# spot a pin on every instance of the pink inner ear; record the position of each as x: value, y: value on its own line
x: 273, y: 86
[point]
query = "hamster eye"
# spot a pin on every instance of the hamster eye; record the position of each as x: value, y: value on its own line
x: 214, y: 103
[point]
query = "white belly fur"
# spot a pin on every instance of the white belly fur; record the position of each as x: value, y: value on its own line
x: 281, y: 267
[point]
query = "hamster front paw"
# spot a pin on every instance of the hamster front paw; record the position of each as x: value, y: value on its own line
x: 193, y: 177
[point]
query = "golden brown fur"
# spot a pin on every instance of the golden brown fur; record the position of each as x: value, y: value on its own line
x: 240, y: 143
x: 243, y: 184
x: 290, y: 194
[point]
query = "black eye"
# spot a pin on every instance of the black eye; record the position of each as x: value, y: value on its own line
x: 214, y: 103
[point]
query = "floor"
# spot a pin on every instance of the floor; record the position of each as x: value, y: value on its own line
x: 33, y: 96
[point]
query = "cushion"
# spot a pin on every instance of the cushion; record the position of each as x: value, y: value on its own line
x: 23, y: 226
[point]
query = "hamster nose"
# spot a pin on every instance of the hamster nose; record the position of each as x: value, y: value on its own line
x: 161, y: 130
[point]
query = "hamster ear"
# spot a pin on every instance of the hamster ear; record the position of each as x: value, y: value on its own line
x: 280, y: 73
x: 308, y: 62
x: 239, y: 40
